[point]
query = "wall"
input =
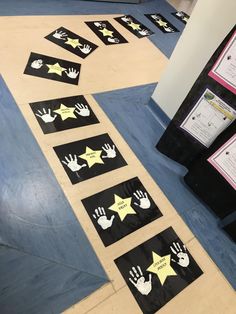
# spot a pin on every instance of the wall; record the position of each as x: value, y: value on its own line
x: 210, y: 22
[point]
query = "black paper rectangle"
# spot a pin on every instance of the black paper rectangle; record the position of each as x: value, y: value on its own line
x: 180, y: 15
x: 106, y: 32
x: 157, y: 270
x: 89, y: 158
x: 53, y: 68
x: 162, y: 23
x: 134, y: 26
x: 72, y: 42
x: 120, y: 210
x: 63, y: 113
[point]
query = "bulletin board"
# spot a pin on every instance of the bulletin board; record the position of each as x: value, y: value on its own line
x: 208, y: 109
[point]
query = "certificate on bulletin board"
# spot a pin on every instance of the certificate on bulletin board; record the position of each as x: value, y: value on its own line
x: 224, y: 161
x: 224, y: 70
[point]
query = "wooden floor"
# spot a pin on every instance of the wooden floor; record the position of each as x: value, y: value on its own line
x: 109, y: 68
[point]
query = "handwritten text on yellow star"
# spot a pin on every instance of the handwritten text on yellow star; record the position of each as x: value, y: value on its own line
x: 73, y: 42
x: 162, y: 23
x: 122, y: 206
x: 55, y: 68
x: 106, y: 32
x: 161, y: 267
x: 92, y: 156
x: 66, y: 112
x: 134, y: 26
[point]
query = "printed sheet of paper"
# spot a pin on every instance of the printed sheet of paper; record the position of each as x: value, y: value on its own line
x: 224, y: 70
x: 72, y: 42
x: 63, y: 113
x: 134, y: 26
x: 106, y: 32
x: 182, y: 16
x: 120, y: 210
x: 53, y: 68
x: 90, y: 157
x: 208, y: 118
x: 224, y: 161
x: 162, y: 23
x: 157, y: 270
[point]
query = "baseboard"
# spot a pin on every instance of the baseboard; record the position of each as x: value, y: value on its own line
x: 159, y: 113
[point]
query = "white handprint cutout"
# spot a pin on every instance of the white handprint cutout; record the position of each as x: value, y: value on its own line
x: 72, y: 73
x: 97, y: 24
x: 154, y: 16
x: 82, y: 110
x: 102, y: 220
x: 113, y: 40
x: 144, y: 32
x: 60, y: 35
x: 46, y: 116
x: 86, y: 49
x: 126, y: 19
x: 72, y: 164
x: 138, y: 280
x: 144, y: 201
x: 183, y: 259
x: 168, y: 29
x: 37, y: 64
x: 110, y: 151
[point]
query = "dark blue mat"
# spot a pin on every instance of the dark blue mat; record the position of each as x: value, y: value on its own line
x: 129, y: 111
x: 46, y: 261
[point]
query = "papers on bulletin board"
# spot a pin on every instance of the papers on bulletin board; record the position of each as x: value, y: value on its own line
x: 208, y: 118
x: 224, y: 70
x: 224, y: 161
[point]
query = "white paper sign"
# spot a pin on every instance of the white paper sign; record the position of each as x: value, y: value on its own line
x: 224, y: 70
x: 208, y: 118
x: 224, y: 161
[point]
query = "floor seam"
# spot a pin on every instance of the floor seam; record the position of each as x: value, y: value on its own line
x: 51, y: 261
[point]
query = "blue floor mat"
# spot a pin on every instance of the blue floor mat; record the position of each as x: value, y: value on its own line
x: 41, y: 242
x: 165, y: 42
x: 129, y: 111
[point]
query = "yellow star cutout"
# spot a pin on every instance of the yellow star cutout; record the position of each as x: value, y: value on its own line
x: 122, y: 206
x: 162, y: 23
x: 66, y: 112
x: 161, y: 267
x: 134, y: 26
x: 106, y: 32
x: 55, y: 68
x: 92, y: 156
x: 73, y: 42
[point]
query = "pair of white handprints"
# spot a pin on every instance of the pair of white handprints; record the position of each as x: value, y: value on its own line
x: 47, y: 117
x: 63, y: 36
x: 72, y: 161
x: 70, y: 72
x: 145, y: 286
x: 101, y: 216
x: 159, y: 21
x: 110, y: 38
x: 128, y: 20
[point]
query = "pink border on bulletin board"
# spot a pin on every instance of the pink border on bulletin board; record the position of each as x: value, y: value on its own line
x: 216, y: 76
x: 212, y: 161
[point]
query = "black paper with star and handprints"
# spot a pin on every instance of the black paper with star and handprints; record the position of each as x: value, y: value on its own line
x: 90, y: 157
x: 106, y: 32
x: 120, y: 210
x: 72, y: 42
x: 134, y: 26
x: 63, y: 113
x: 157, y: 270
x: 53, y: 68
x: 162, y: 23
x: 182, y: 16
